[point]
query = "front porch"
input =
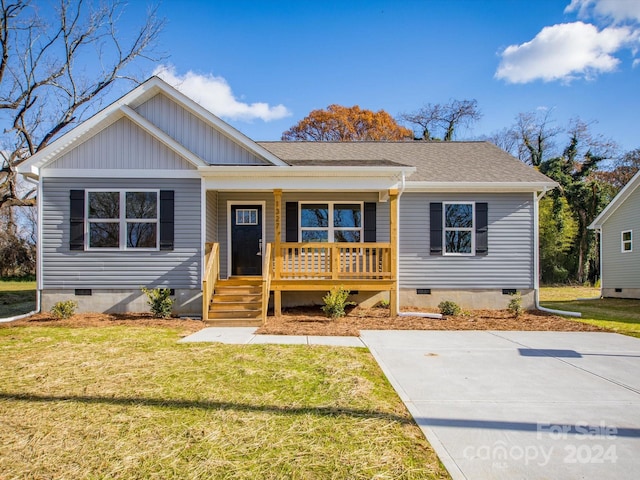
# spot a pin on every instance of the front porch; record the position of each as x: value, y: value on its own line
x: 313, y: 266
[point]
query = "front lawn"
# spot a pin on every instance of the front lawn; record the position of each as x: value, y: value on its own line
x: 618, y: 315
x: 129, y: 402
x: 17, y: 297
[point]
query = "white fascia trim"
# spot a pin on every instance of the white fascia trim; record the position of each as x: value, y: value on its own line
x: 117, y: 173
x: 297, y: 171
x: 618, y: 200
x: 473, y: 187
x: 155, y: 132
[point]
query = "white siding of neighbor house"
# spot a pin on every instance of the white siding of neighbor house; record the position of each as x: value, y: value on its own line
x: 509, y: 263
x: 63, y: 268
x: 622, y: 270
x: 196, y: 135
x: 122, y: 145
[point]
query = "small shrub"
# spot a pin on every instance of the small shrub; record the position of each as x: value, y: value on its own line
x: 449, y: 308
x: 159, y: 301
x: 64, y: 309
x: 515, y: 305
x: 335, y: 302
x: 383, y: 304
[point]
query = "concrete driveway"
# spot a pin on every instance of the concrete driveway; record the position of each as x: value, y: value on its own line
x: 520, y: 405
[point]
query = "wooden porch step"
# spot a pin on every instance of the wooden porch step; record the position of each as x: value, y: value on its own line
x: 220, y: 314
x: 217, y: 304
x: 233, y: 322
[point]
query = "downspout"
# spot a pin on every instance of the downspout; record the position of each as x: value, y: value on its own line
x: 536, y: 261
x: 407, y: 314
x: 38, y: 260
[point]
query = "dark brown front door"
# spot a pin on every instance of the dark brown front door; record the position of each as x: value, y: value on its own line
x: 246, y: 240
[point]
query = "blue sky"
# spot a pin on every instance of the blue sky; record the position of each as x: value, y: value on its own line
x: 264, y: 65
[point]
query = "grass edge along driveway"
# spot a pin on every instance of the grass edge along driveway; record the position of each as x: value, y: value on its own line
x: 619, y: 315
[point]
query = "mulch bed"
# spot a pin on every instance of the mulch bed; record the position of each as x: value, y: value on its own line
x: 312, y: 321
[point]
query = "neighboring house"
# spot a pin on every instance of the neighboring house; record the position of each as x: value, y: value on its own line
x: 619, y: 228
x: 154, y: 190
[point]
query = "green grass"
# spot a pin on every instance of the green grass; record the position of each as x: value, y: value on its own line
x: 17, y: 297
x: 128, y: 402
x: 618, y: 315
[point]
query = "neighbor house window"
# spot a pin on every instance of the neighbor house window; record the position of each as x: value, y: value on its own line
x: 122, y: 220
x: 458, y: 231
x: 331, y: 222
x: 627, y: 241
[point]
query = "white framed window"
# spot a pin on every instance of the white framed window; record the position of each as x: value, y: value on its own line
x: 122, y: 219
x: 458, y: 233
x: 331, y: 222
x: 247, y: 216
x: 626, y: 241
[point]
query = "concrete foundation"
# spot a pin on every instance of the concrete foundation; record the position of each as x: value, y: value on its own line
x: 299, y: 299
x: 187, y: 302
x: 466, y: 299
x: 624, y: 293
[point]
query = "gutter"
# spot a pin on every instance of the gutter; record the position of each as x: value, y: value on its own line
x: 38, y: 258
x: 536, y: 261
x: 407, y: 314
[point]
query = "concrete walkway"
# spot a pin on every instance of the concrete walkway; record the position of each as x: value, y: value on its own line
x: 508, y: 405
x: 247, y: 335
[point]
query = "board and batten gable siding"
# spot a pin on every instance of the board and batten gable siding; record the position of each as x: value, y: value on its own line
x: 509, y: 263
x: 196, y: 135
x: 622, y: 270
x: 65, y: 269
x: 122, y: 145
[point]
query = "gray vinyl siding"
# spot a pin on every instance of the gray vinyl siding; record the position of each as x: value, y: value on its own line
x: 122, y: 145
x: 622, y: 270
x: 509, y: 263
x: 62, y: 268
x: 196, y: 135
x: 212, y: 216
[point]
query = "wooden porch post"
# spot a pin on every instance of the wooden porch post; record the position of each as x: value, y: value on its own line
x: 393, y: 230
x: 277, y: 294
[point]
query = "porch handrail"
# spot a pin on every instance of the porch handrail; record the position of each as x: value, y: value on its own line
x: 211, y: 275
x: 266, y: 281
x: 338, y: 260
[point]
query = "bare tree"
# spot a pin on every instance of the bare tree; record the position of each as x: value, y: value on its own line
x: 54, y: 71
x: 535, y: 135
x: 443, y: 119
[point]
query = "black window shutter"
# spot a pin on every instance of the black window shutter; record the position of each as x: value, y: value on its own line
x: 435, y: 223
x: 370, y: 222
x: 291, y: 214
x: 166, y: 219
x: 76, y: 220
x: 482, y: 229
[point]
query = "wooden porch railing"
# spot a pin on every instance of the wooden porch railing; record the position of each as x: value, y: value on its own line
x: 211, y: 275
x: 266, y: 280
x: 333, y: 261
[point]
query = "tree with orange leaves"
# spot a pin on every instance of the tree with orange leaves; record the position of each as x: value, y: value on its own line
x: 347, y: 124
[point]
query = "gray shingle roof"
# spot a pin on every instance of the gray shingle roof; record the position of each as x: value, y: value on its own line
x: 434, y: 161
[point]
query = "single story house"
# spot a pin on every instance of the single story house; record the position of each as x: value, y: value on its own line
x: 155, y: 190
x: 618, y: 226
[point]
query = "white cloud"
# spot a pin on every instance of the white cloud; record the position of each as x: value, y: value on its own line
x: 214, y: 94
x: 615, y: 10
x: 565, y: 52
